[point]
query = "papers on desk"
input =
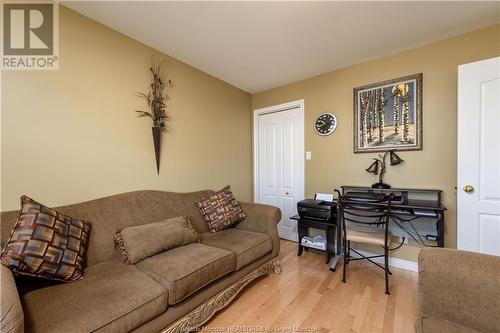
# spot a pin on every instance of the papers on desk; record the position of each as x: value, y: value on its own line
x: 318, y: 242
x: 324, y: 197
x: 424, y: 212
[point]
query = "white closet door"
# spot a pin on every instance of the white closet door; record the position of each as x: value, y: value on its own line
x: 280, y: 165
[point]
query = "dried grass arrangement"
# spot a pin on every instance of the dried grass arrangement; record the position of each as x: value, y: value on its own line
x: 157, y: 96
x: 157, y: 99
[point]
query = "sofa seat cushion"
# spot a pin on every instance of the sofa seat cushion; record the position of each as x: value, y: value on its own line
x: 188, y: 268
x: 247, y: 246
x: 113, y: 297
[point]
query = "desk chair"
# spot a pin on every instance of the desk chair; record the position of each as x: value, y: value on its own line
x: 366, y: 221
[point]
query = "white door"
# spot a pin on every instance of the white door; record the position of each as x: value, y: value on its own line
x: 478, y: 193
x: 279, y: 164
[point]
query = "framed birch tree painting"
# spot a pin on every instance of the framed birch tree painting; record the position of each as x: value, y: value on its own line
x: 388, y: 115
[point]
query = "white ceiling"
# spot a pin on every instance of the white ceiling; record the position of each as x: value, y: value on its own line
x: 260, y: 45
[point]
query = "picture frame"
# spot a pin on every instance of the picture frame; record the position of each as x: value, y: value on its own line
x: 388, y: 115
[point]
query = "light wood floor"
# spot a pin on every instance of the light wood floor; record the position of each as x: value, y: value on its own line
x: 306, y: 295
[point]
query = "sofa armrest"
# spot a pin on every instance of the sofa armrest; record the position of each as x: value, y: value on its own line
x: 12, y: 316
x: 460, y: 287
x: 263, y: 219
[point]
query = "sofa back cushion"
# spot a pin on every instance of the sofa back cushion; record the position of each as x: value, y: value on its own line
x: 120, y: 211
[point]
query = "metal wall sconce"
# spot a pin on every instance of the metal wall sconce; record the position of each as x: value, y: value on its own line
x: 378, y: 167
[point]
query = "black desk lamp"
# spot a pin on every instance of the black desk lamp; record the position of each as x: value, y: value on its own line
x: 380, y: 162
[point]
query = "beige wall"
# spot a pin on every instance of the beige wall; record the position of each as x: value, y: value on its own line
x: 334, y: 162
x: 72, y: 135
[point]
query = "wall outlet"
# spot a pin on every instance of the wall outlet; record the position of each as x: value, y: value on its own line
x: 308, y: 155
x: 401, y: 239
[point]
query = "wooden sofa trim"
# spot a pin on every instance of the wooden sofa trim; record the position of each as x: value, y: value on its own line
x: 202, y: 313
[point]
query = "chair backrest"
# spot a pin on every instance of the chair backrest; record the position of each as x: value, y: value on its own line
x: 366, y: 213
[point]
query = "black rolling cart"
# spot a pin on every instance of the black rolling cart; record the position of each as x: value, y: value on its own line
x: 332, y: 234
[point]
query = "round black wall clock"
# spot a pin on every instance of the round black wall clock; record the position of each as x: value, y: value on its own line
x: 325, y: 124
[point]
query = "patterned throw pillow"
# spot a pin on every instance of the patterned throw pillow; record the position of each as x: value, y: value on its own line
x: 220, y: 210
x: 46, y: 243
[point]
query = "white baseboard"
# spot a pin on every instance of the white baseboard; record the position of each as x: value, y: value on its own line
x: 394, y: 262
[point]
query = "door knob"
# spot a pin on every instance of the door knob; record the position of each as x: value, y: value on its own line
x: 468, y: 188
x: 287, y: 193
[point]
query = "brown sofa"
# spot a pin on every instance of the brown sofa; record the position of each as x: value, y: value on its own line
x: 169, y: 292
x: 458, y: 292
